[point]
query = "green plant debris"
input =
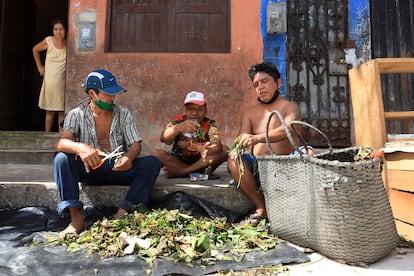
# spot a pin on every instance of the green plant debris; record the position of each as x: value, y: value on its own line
x: 173, y: 235
x: 199, y: 133
x: 257, y: 271
x: 363, y: 154
x: 404, y: 243
x: 236, y: 153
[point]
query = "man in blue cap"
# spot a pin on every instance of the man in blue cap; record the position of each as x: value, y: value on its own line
x: 97, y: 126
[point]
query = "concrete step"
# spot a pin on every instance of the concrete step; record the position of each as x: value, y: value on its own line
x: 33, y: 185
x: 27, y: 147
x: 26, y: 156
x: 28, y: 140
x: 26, y: 178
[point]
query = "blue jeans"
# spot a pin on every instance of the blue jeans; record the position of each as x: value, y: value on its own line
x: 69, y: 170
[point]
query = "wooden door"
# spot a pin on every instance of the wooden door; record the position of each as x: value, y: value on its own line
x: 23, y: 24
x: 15, y: 34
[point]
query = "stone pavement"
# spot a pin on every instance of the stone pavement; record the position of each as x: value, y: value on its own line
x: 399, y: 262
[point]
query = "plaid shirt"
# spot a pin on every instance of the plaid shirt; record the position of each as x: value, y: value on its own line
x: 123, y: 131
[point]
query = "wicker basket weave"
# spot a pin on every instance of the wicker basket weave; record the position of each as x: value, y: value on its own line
x: 329, y: 203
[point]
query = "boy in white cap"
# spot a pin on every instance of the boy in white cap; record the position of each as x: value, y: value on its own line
x: 195, y: 140
x: 100, y: 125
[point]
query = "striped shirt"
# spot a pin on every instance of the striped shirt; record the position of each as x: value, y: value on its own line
x: 123, y: 131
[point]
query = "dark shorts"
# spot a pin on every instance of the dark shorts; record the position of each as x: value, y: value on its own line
x: 251, y: 163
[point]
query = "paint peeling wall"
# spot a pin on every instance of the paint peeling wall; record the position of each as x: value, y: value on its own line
x: 360, y: 30
x: 158, y: 82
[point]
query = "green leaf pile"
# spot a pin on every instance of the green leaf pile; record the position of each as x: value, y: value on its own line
x: 174, y: 235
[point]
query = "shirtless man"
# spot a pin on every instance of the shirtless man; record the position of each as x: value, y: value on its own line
x: 266, y: 81
x: 99, y: 124
x: 192, y: 151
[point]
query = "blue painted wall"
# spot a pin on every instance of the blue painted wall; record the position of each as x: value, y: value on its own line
x: 274, y: 47
x: 360, y: 28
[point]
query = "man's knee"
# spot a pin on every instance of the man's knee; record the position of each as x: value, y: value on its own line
x: 232, y: 165
x: 152, y: 161
x: 60, y: 159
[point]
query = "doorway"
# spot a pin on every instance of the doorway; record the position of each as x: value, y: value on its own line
x: 23, y: 24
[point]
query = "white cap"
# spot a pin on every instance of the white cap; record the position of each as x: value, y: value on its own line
x: 195, y: 98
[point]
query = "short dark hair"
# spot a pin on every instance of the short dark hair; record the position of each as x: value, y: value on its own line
x: 59, y: 21
x: 94, y: 89
x: 265, y: 67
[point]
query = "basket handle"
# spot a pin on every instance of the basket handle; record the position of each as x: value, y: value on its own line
x: 289, y: 134
x: 292, y: 125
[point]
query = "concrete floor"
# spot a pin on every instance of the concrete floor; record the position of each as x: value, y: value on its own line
x: 398, y: 263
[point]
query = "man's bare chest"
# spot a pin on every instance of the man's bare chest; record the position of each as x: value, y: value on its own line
x: 102, y: 129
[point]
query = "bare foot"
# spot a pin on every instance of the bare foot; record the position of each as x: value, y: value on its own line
x: 120, y: 213
x: 71, y: 229
x: 173, y: 172
x: 261, y: 212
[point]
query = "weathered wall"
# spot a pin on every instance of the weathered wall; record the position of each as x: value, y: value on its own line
x: 158, y: 82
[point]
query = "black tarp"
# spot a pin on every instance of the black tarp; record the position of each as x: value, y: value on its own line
x: 19, y: 228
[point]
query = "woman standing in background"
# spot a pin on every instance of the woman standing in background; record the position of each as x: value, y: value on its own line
x: 52, y: 93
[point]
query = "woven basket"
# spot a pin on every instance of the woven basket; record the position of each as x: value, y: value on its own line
x: 329, y: 203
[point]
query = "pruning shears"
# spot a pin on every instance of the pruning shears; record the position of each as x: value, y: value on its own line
x: 116, y: 153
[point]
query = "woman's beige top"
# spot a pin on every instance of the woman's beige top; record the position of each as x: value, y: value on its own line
x: 52, y: 93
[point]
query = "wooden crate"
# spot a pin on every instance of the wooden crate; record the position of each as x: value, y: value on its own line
x: 367, y: 103
x: 400, y: 174
x: 369, y: 130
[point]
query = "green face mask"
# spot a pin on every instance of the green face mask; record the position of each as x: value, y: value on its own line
x: 103, y: 105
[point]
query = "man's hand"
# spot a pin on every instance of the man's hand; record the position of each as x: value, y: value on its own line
x: 203, y: 149
x: 248, y: 140
x: 123, y: 163
x: 187, y: 126
x: 89, y: 156
x: 171, y: 131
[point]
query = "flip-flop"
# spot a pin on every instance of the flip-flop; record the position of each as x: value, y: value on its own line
x: 255, y: 219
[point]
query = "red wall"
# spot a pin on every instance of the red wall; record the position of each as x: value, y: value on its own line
x: 157, y: 83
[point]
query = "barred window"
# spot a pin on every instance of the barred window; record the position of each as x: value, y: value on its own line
x: 175, y: 26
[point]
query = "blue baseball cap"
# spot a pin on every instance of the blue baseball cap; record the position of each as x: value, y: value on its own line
x: 104, y: 81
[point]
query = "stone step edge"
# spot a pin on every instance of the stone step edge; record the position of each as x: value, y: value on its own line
x: 23, y: 194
